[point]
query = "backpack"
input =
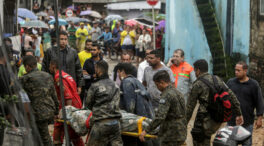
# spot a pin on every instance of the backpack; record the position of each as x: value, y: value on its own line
x: 219, y: 105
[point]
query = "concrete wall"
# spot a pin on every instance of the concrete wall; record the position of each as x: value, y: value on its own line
x: 184, y: 30
x: 220, y: 7
x: 241, y: 37
x: 241, y: 26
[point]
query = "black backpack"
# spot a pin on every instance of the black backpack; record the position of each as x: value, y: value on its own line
x: 219, y: 106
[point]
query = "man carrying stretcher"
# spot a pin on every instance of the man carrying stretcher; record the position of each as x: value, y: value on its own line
x: 71, y: 98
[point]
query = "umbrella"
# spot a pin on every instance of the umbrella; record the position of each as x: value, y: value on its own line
x: 84, y: 20
x: 51, y: 17
x: 131, y: 22
x: 43, y: 14
x: 71, y: 7
x: 87, y: 12
x: 113, y: 17
x: 162, y: 24
x: 73, y: 19
x: 95, y: 14
x: 25, y: 13
x: 61, y: 22
x: 20, y: 20
x: 35, y: 24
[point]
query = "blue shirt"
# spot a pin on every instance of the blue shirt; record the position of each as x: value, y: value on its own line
x: 107, y: 36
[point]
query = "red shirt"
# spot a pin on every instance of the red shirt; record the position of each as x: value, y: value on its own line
x: 70, y: 89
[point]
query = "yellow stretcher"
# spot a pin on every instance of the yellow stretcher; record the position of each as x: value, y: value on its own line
x: 133, y: 134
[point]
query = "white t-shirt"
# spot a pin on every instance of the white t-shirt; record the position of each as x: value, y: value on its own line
x: 127, y: 40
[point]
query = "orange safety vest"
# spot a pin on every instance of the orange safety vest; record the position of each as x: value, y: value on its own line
x: 183, y: 70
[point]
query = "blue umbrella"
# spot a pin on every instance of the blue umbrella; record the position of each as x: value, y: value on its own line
x: 25, y: 13
x: 61, y: 22
x: 20, y: 20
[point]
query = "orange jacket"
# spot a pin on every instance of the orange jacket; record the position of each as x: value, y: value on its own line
x: 183, y: 71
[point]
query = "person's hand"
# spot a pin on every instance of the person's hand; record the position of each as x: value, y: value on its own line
x: 258, y: 123
x: 239, y: 120
x: 142, y: 135
x: 85, y: 72
x: 79, y: 90
x: 94, y: 75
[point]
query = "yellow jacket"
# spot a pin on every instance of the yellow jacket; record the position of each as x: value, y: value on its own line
x: 132, y: 35
x: 81, y: 34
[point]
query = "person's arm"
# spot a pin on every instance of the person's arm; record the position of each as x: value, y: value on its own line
x: 53, y: 94
x: 90, y: 98
x: 86, y: 32
x: 172, y: 78
x: 46, y: 61
x: 123, y: 34
x: 196, y: 91
x: 140, y: 74
x: 102, y: 35
x: 192, y: 76
x: 161, y: 114
x: 132, y: 34
x: 78, y: 72
x: 235, y: 104
x: 148, y: 40
x: 259, y: 105
x: 77, y: 33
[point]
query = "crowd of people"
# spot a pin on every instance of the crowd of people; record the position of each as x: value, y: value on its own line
x: 167, y: 94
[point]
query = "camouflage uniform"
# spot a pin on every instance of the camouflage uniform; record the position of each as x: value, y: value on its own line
x: 204, y: 125
x: 41, y: 92
x: 171, y: 117
x: 103, y: 99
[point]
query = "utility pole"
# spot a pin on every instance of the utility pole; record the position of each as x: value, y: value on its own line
x: 60, y: 75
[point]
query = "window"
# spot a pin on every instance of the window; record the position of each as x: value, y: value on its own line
x: 261, y: 7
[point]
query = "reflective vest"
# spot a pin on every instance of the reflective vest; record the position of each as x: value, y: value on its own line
x: 181, y: 72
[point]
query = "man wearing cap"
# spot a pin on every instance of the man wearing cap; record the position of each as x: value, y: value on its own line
x: 81, y: 35
x: 96, y: 31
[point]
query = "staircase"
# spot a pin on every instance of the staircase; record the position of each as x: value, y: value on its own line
x: 213, y: 35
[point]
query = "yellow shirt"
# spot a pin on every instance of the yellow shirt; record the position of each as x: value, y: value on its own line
x: 83, y: 56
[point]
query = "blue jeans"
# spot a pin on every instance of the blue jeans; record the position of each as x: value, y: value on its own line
x: 249, y: 141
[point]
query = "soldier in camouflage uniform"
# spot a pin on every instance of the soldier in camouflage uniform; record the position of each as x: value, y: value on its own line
x: 42, y: 94
x: 170, y: 114
x: 103, y: 99
x: 204, y: 125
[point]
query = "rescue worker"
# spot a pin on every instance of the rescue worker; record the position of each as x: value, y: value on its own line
x: 39, y: 86
x: 183, y: 73
x: 134, y: 98
x: 204, y: 125
x: 71, y: 98
x: 103, y: 100
x: 81, y: 35
x: 170, y: 114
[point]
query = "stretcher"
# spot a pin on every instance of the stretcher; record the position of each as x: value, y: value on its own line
x: 133, y: 134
